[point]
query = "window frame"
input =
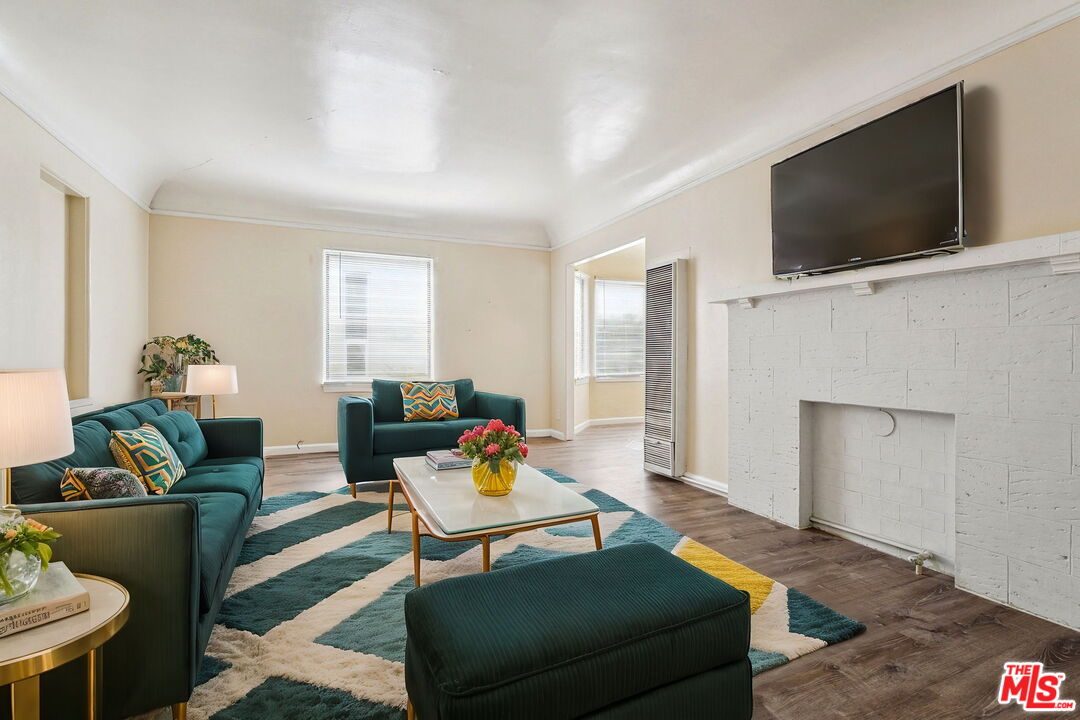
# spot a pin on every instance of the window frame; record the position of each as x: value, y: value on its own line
x: 363, y: 384
x: 583, y: 323
x: 615, y: 377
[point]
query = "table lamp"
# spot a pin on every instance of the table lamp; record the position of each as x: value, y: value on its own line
x: 212, y: 380
x: 35, y: 420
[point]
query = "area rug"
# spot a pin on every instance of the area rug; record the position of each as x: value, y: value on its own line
x: 312, y: 625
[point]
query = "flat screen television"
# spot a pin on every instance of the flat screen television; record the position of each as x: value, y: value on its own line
x: 889, y: 190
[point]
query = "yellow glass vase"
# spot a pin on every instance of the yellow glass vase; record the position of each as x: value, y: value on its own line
x: 494, y: 483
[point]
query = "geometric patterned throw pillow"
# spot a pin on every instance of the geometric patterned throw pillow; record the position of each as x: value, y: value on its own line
x: 146, y: 453
x: 100, y: 484
x: 429, y: 401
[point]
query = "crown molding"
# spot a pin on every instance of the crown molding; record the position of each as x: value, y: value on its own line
x: 350, y: 229
x: 1018, y: 36
x: 13, y: 97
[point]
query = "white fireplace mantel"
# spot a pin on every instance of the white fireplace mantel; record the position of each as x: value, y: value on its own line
x: 1061, y: 251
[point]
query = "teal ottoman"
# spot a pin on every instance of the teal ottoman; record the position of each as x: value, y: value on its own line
x: 618, y: 634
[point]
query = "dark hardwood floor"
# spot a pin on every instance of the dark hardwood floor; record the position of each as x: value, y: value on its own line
x: 930, y: 651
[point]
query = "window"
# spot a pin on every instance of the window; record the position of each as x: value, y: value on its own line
x: 377, y: 317
x: 581, y: 326
x: 619, y: 329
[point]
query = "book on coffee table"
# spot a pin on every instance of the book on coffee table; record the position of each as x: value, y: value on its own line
x: 57, y: 595
x: 447, y: 460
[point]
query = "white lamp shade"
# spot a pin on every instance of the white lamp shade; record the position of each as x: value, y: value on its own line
x: 211, y: 380
x: 35, y: 417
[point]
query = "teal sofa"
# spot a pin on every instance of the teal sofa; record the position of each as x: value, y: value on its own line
x: 174, y: 553
x: 372, y: 431
x: 631, y: 632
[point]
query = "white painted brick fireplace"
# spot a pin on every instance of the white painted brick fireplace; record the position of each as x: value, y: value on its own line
x: 980, y: 369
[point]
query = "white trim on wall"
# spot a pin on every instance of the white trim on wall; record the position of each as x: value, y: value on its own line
x: 595, y: 422
x: 716, y: 487
x: 300, y: 448
x: 350, y: 229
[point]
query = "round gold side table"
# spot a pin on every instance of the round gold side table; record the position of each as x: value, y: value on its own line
x: 25, y: 655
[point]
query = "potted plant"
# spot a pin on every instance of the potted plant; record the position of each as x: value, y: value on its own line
x: 165, y: 359
x: 24, y: 553
x: 496, y: 450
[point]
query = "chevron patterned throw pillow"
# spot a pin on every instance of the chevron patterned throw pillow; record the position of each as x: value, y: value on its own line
x: 429, y: 401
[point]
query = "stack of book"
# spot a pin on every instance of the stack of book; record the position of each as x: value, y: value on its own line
x: 57, y: 595
x: 447, y: 459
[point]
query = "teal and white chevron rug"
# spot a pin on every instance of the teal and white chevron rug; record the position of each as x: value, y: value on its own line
x: 313, y: 625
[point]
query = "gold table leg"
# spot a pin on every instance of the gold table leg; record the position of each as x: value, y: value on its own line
x: 179, y: 711
x: 93, y: 684
x: 389, y: 509
x: 416, y: 548
x: 596, y: 532
x: 26, y: 699
x: 486, y: 540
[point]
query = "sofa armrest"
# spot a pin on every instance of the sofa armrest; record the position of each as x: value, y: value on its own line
x: 356, y: 437
x: 233, y: 437
x: 508, y: 408
x: 151, y: 546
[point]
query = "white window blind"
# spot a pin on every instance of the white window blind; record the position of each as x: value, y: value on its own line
x: 378, y: 317
x: 581, y: 326
x: 619, y: 328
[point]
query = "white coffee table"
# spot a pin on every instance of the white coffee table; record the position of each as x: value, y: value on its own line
x: 446, y: 504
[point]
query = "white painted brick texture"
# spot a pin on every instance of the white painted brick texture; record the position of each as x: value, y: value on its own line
x: 982, y: 371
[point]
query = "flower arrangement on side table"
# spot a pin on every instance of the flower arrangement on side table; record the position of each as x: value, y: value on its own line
x: 495, y: 451
x: 24, y: 553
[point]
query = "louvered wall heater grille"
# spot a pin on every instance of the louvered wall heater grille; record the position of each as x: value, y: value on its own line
x: 665, y: 368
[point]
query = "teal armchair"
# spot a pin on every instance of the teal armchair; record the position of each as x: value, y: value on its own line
x: 174, y: 553
x: 372, y: 431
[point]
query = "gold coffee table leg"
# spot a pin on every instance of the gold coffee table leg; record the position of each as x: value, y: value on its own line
x: 389, y: 509
x: 26, y: 699
x: 416, y: 548
x: 487, y: 552
x: 596, y: 532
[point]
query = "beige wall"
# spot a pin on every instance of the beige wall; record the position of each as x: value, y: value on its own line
x: 616, y: 400
x: 254, y: 292
x: 1023, y: 180
x: 32, y: 276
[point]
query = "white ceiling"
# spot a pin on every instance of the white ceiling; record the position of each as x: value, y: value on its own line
x: 519, y: 121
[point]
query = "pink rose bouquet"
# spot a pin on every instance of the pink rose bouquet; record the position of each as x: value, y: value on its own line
x: 493, y: 443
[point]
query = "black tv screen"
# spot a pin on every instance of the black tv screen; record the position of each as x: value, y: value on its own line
x: 888, y: 190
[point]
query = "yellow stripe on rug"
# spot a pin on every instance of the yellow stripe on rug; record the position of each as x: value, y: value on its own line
x: 726, y: 569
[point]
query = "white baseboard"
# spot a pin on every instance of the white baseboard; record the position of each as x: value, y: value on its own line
x: 704, y: 483
x: 596, y: 422
x: 541, y: 432
x: 299, y: 449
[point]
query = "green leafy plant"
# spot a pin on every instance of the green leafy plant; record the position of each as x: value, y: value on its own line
x: 165, y: 356
x: 31, y: 538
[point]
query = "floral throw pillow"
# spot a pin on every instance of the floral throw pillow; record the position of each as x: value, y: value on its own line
x: 147, y: 454
x: 100, y: 484
x: 429, y: 401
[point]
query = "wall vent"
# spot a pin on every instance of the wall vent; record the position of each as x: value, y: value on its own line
x: 665, y: 368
